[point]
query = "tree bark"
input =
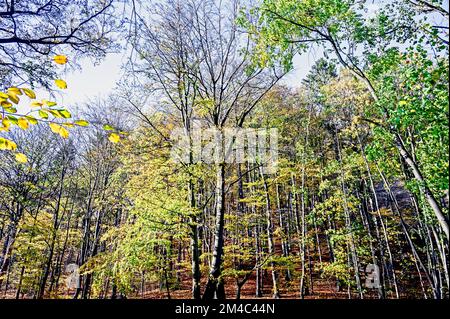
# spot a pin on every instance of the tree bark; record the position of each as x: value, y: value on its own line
x: 215, y: 288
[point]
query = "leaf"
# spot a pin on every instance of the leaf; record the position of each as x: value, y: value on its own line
x: 60, y: 113
x: 36, y: 104
x: 11, y: 109
x: 65, y: 114
x: 55, y: 113
x: 43, y: 114
x: 113, y: 137
x: 30, y: 93
x: 61, y: 84
x: 31, y: 119
x: 13, y: 119
x: 12, y: 146
x: 22, y: 123
x: 54, y: 127
x: 21, y: 158
x: 6, y: 124
x: 13, y: 97
x: 5, y: 104
x: 49, y: 103
x: 63, y: 132
x: 2, y: 143
x: 6, y: 144
x: 14, y: 90
x: 402, y: 103
x: 60, y: 59
x: 81, y: 123
x: 108, y: 127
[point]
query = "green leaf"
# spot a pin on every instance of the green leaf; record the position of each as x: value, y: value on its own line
x: 43, y: 114
x: 108, y: 127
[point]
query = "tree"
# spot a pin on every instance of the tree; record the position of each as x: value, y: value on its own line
x: 200, y: 70
x: 285, y: 26
x: 33, y: 30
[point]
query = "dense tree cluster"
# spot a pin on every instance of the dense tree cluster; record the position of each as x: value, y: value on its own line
x: 357, y: 208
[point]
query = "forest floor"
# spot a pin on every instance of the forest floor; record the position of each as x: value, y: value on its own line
x: 322, y: 288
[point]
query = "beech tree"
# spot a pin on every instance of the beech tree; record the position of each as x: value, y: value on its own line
x: 97, y: 202
x: 344, y: 32
x: 32, y: 30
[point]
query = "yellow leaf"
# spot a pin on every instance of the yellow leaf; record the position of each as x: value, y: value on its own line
x: 402, y: 103
x: 60, y: 59
x: 108, y: 127
x: 6, y: 144
x: 63, y: 132
x: 49, y: 103
x: 2, y: 144
x: 61, y: 84
x: 22, y: 123
x: 11, y: 145
x: 15, y: 91
x: 30, y: 93
x: 6, y: 123
x: 55, y: 127
x: 113, y: 137
x: 31, y: 119
x: 36, y: 104
x: 21, y: 158
x: 81, y: 123
x: 65, y: 114
x: 6, y: 104
x: 13, y: 97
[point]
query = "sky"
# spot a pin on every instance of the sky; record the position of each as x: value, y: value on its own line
x: 99, y: 80
x: 92, y: 81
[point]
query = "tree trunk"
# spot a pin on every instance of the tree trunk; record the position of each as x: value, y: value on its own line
x: 270, y: 242
x: 215, y: 288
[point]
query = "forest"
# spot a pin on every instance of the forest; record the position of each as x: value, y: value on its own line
x: 135, y: 195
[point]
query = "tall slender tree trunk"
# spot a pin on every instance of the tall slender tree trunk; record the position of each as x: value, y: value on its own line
x: 48, y: 264
x: 352, y: 246
x: 417, y: 260
x: 284, y: 239
x: 423, y: 184
x: 215, y: 288
x: 383, y: 226
x: 195, y: 266
x: 270, y: 241
x: 398, y: 141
